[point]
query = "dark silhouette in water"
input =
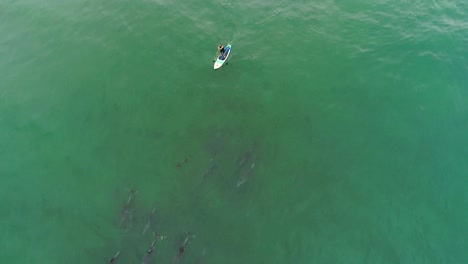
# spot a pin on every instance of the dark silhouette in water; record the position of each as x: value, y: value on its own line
x: 127, y: 212
x: 206, y: 174
x: 179, y: 254
x: 202, y: 257
x: 180, y: 164
x: 245, y: 175
x: 113, y: 260
x: 210, y: 170
x: 149, y: 221
x: 245, y: 167
x: 149, y: 252
x: 246, y: 157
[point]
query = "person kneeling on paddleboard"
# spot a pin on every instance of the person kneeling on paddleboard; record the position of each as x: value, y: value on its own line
x: 221, y: 51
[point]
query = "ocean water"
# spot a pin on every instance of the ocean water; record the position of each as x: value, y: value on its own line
x: 347, y: 120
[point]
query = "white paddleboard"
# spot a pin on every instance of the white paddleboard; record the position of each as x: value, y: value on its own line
x: 218, y: 63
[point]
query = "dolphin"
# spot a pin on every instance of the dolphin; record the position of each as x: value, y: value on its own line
x: 179, y: 254
x: 245, y: 175
x: 149, y: 252
x: 149, y: 221
x: 210, y: 169
x: 127, y: 210
x: 202, y: 257
x: 113, y: 260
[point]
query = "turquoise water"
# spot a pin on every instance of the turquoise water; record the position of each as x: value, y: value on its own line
x: 354, y: 113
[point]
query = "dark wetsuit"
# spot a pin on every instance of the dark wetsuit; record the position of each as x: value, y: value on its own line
x: 221, y: 54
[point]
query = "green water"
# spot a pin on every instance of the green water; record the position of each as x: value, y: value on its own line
x: 355, y: 113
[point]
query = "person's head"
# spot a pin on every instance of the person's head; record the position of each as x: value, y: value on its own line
x: 220, y: 46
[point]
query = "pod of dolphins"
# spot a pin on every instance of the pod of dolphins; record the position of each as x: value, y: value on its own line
x: 243, y: 171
